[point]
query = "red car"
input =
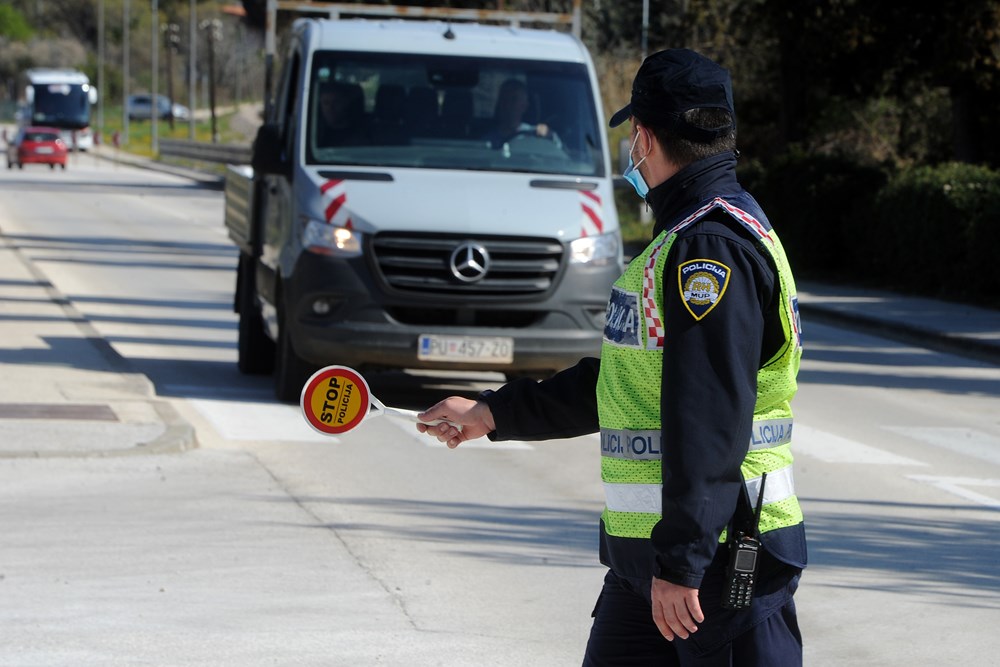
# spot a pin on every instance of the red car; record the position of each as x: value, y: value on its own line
x: 37, y: 145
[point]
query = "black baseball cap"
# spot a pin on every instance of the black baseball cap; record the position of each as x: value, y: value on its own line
x: 671, y: 82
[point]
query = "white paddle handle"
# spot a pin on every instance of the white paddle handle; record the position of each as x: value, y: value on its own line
x: 412, y: 416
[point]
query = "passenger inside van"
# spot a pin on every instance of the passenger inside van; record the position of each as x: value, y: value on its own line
x: 342, y: 115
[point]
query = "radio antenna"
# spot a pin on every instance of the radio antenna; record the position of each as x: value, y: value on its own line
x: 760, y: 504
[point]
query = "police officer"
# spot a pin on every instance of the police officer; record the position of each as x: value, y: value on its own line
x: 691, y: 397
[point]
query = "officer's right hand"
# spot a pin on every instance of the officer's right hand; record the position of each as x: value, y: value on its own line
x: 474, y: 417
x: 676, y: 609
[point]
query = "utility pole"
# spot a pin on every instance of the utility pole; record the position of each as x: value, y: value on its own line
x: 192, y: 59
x: 173, y: 34
x: 645, y: 27
x: 125, y: 70
x: 213, y: 29
x: 154, y: 109
x: 100, y: 66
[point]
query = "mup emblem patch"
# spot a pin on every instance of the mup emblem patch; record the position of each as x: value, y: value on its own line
x: 702, y: 283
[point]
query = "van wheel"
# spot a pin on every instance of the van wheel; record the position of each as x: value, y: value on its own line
x: 290, y: 370
x: 255, y: 351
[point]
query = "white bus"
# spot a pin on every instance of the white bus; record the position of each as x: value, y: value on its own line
x: 61, y: 99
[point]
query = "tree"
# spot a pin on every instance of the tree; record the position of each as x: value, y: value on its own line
x: 830, y: 52
x: 13, y: 25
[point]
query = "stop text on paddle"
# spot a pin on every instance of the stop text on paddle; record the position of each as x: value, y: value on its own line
x: 336, y: 399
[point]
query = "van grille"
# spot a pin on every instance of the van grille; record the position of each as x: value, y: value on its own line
x: 422, y: 263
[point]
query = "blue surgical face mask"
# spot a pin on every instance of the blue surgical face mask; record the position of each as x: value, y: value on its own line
x: 632, y: 174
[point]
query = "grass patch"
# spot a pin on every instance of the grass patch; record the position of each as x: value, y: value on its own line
x: 140, y: 132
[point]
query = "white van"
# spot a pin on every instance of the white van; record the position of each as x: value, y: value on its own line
x: 425, y: 195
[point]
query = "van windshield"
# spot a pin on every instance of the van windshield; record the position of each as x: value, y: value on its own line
x: 446, y: 112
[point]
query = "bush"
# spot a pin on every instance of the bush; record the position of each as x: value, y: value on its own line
x: 815, y: 203
x: 938, y: 230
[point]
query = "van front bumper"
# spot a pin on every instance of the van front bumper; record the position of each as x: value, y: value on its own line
x: 338, y: 314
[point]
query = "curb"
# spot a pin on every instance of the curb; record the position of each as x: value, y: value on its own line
x: 963, y: 346
x: 179, y: 434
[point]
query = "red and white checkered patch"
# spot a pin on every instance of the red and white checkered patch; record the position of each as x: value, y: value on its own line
x: 336, y: 212
x: 655, y: 331
x: 745, y: 218
x: 748, y: 220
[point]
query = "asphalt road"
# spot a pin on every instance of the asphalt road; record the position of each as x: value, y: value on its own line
x: 278, y: 546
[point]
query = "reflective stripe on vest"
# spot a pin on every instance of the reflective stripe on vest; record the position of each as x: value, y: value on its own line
x: 648, y: 498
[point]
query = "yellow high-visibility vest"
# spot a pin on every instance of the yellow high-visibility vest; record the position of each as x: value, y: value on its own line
x: 628, y: 391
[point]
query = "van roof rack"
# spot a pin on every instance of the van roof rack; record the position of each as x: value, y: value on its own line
x: 336, y: 10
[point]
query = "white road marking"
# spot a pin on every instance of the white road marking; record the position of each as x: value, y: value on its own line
x: 482, y: 443
x: 956, y: 486
x: 832, y: 448
x: 965, y: 441
x: 240, y: 420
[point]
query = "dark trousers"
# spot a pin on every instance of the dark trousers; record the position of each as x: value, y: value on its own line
x: 765, y: 635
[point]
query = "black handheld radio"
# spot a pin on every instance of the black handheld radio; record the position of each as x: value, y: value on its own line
x: 744, y: 549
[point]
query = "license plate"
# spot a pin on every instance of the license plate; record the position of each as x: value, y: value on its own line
x: 475, y: 349
x: 44, y: 150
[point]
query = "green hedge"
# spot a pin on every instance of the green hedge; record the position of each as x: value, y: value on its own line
x: 940, y: 228
x: 931, y: 230
x: 815, y: 202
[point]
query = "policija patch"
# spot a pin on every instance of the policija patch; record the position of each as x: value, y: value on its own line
x: 702, y: 283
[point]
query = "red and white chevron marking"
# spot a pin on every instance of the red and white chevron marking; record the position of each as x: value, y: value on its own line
x: 593, y: 223
x: 336, y: 212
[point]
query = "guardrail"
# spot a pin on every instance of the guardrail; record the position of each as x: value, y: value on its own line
x: 207, y: 152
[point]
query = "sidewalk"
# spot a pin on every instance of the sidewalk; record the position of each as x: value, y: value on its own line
x: 949, y: 327
x: 65, y: 391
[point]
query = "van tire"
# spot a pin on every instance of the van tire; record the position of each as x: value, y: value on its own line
x: 290, y: 370
x: 255, y: 351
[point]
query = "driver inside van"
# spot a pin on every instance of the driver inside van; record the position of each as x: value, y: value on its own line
x: 508, y: 115
x: 341, y: 115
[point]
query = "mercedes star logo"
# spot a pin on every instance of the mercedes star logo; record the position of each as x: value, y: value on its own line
x: 469, y: 262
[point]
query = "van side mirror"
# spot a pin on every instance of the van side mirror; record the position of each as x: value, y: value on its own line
x: 268, y: 151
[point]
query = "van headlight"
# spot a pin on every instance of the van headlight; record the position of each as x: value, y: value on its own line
x: 324, y: 239
x: 598, y: 250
